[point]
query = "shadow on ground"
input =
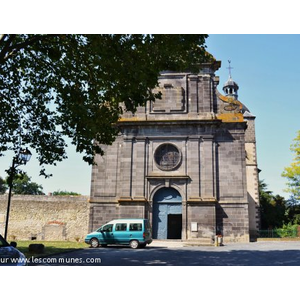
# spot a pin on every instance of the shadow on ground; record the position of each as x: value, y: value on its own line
x: 211, y: 258
x: 193, y: 256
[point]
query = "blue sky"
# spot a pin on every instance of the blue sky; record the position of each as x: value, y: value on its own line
x: 266, y: 68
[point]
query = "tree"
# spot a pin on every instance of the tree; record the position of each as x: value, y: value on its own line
x: 293, y: 210
x: 57, y: 86
x: 292, y: 173
x: 22, y: 185
x: 272, y: 208
x: 3, y: 186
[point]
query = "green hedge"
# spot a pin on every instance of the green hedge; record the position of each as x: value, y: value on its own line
x: 286, y: 231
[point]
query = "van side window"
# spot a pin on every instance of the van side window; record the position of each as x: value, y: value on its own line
x: 121, y: 227
x: 135, y: 227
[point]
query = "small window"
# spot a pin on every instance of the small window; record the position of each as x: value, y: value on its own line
x: 135, y: 227
x: 121, y: 227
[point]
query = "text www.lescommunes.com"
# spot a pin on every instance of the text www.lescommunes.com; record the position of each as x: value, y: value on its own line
x: 51, y: 260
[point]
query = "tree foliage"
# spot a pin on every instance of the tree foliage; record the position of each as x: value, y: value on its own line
x: 22, y: 185
x: 3, y: 186
x: 292, y: 173
x: 57, y: 86
x: 293, y: 210
x: 275, y: 211
x: 272, y: 208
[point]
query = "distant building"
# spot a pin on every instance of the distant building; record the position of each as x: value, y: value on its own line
x: 186, y: 162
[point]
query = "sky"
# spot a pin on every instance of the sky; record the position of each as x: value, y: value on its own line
x: 266, y: 68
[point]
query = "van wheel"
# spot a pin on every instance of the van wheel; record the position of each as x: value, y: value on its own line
x: 134, y: 244
x: 94, y: 243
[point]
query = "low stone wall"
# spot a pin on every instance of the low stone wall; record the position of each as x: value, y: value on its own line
x: 45, y: 217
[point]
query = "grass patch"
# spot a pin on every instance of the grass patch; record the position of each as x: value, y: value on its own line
x: 51, y: 247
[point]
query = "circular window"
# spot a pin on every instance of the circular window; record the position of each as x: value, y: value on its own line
x: 167, y: 157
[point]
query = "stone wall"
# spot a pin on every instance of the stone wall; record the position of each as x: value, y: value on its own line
x: 45, y: 217
x: 204, y: 217
x: 252, y: 177
x: 211, y: 175
x: 101, y: 213
x: 233, y: 222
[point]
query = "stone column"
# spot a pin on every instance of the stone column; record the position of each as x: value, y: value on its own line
x: 126, y: 168
x: 207, y: 167
x: 193, y: 166
x: 193, y: 94
x: 138, y: 170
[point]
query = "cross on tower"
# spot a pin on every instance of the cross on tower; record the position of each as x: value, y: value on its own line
x: 229, y: 68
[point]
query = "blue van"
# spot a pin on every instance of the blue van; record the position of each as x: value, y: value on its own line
x: 133, y: 232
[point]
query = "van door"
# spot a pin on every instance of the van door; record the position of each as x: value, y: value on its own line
x: 136, y: 231
x: 121, y: 235
x: 106, y: 234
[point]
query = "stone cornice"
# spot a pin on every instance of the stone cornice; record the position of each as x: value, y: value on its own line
x: 137, y: 121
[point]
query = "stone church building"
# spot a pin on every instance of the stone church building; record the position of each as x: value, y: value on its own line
x: 187, y: 162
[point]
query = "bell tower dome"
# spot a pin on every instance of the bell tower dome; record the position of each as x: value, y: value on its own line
x: 230, y: 87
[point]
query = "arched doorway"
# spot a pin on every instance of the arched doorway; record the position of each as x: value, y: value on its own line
x: 167, y: 214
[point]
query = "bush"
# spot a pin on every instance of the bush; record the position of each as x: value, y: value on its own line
x: 288, y: 230
x: 65, y: 193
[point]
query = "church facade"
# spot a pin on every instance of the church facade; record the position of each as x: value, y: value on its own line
x: 187, y: 162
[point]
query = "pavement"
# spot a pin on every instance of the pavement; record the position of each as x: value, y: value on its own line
x: 178, y: 243
x: 167, y: 243
x: 179, y: 253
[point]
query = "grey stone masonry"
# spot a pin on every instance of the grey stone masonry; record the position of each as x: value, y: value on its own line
x: 252, y: 176
x: 39, y: 217
x: 207, y: 165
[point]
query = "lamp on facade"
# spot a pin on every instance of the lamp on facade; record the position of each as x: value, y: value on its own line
x: 22, y: 158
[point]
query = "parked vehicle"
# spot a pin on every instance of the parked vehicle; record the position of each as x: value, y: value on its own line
x: 133, y: 232
x: 9, y: 255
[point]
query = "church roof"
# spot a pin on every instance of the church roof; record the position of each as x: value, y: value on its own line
x: 247, y: 113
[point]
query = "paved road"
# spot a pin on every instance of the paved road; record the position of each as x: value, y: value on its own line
x: 175, y: 254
